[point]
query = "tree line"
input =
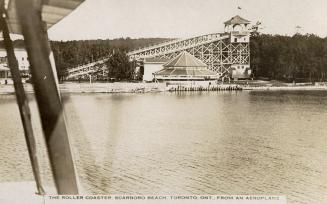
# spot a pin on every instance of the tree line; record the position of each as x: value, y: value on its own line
x: 70, y: 54
x: 289, y: 58
x: 286, y: 58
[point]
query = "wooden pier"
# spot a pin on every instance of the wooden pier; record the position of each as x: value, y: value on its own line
x: 178, y: 88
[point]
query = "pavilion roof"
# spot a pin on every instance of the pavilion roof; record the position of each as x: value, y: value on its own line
x: 185, y: 59
x: 186, y: 71
x: 185, y: 64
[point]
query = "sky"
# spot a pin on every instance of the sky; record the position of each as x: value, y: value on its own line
x: 108, y: 19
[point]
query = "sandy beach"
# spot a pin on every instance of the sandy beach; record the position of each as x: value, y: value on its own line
x: 95, y: 88
x: 126, y: 87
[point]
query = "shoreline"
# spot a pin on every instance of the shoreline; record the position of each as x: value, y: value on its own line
x: 286, y: 88
x: 125, y: 87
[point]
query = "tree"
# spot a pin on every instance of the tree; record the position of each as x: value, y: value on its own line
x: 301, y: 57
x: 119, y: 66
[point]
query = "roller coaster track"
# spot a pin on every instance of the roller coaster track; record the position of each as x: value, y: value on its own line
x: 87, y: 69
x: 174, y: 46
x: 214, y: 49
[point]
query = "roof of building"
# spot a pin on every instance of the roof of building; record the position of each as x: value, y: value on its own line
x: 156, y: 60
x: 236, y: 20
x: 2, y: 49
x: 185, y: 59
x: 3, y: 67
x: 191, y: 71
x: 185, y: 64
x: 18, y: 44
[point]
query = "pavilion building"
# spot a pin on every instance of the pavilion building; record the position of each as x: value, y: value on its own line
x: 185, y: 67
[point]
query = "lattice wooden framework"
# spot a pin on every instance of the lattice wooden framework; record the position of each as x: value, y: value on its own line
x: 215, y: 50
x: 87, y: 69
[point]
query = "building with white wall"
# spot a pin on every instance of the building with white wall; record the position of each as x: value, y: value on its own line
x: 152, y: 65
x: 241, y: 71
x: 21, y: 56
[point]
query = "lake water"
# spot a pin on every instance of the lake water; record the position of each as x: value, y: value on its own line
x: 185, y: 143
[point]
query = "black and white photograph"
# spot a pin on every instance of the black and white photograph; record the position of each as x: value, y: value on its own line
x: 163, y: 101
